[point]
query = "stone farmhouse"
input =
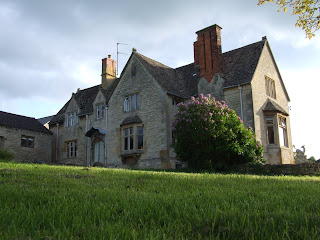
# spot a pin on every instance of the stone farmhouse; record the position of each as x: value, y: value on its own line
x: 126, y: 121
x: 27, y: 138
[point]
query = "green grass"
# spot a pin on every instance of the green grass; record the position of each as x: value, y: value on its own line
x: 55, y: 202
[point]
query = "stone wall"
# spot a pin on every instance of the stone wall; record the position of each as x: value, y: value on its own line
x: 152, y: 112
x: 312, y: 169
x: 233, y: 100
x: 64, y: 134
x: 11, y: 141
x: 267, y: 67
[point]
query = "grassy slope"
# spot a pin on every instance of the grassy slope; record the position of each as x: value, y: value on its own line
x: 51, y: 202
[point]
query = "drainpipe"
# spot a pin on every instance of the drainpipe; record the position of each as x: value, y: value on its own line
x: 241, y: 104
x: 57, y: 142
x: 105, y: 139
x: 87, y: 140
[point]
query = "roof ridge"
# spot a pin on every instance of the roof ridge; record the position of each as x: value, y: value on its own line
x: 243, y: 46
x: 18, y: 115
x: 151, y: 60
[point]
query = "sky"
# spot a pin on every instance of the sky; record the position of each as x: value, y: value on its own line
x: 49, y: 49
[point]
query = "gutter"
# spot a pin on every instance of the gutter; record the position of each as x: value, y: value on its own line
x: 241, y: 102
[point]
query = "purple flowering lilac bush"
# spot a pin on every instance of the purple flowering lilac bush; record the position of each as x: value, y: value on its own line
x: 209, y: 136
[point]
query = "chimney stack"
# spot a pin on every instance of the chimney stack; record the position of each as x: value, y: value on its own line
x: 108, y: 74
x: 208, y: 53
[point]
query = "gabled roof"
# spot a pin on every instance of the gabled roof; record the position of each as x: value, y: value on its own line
x: 181, y: 81
x: 21, y: 122
x: 130, y: 120
x: 239, y: 66
x: 271, y: 106
x: 85, y: 99
x: 45, y: 120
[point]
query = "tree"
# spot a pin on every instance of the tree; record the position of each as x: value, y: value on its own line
x: 307, y: 10
x: 209, y: 135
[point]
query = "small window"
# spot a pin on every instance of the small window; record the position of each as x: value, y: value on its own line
x: 270, y: 130
x: 126, y: 104
x: 177, y: 100
x: 131, y: 102
x: 27, y: 141
x: 270, y: 87
x: 71, y: 149
x: 283, y: 131
x: 133, y: 71
x: 100, y: 111
x: 72, y: 119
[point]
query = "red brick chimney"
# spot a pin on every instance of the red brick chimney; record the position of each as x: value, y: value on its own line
x: 108, y: 74
x: 207, y: 52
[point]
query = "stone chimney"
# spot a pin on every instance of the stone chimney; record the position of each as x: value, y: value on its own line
x: 208, y: 53
x: 108, y: 74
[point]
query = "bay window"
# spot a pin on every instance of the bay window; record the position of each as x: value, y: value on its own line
x: 71, y: 149
x: 283, y: 137
x: 132, y: 138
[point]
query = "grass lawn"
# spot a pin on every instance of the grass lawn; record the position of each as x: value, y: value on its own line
x: 55, y: 202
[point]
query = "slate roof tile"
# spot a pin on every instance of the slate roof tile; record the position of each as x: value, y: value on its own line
x: 85, y: 99
x: 22, y: 122
x: 239, y: 66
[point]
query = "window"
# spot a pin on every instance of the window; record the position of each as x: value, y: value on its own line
x: 140, y: 137
x: 100, y: 111
x: 270, y: 130
x: 132, y: 138
x: 71, y: 149
x: 133, y: 71
x: 131, y: 102
x: 176, y: 100
x: 72, y: 119
x: 270, y: 87
x: 27, y: 141
x: 283, y: 131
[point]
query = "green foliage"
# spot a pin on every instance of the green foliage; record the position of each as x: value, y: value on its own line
x: 56, y: 202
x: 312, y: 159
x: 307, y: 10
x: 5, y: 155
x: 209, y: 135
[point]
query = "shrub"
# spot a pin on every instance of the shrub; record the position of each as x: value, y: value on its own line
x: 5, y: 155
x: 209, y: 135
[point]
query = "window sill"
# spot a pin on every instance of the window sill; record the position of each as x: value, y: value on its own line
x: 131, y: 153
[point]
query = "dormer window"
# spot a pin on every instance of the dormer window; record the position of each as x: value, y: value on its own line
x: 72, y: 119
x: 131, y: 102
x: 100, y: 109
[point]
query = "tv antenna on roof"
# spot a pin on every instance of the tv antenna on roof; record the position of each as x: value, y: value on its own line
x: 118, y: 55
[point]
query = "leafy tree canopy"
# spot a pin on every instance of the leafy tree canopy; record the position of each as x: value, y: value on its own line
x: 209, y: 135
x: 307, y: 10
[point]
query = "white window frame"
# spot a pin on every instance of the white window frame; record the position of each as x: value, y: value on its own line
x: 72, y: 119
x: 131, y: 102
x: 270, y: 125
x: 100, y: 110
x: 283, y: 131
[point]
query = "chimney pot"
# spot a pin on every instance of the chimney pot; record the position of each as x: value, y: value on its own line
x: 108, y: 74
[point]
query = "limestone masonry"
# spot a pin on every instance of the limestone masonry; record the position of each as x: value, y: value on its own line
x: 126, y: 122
